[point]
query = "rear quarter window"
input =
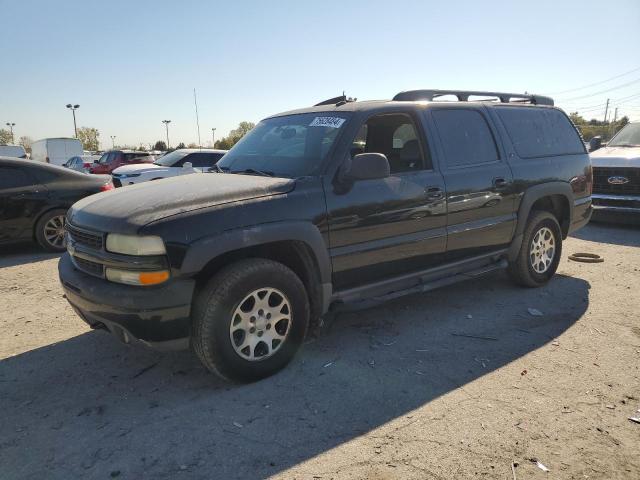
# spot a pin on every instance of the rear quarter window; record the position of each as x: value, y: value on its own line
x: 540, y: 132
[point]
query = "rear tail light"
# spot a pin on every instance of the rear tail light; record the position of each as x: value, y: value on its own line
x: 86, y: 165
x: 107, y: 186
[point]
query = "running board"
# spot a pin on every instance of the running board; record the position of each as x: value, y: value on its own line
x: 420, y: 282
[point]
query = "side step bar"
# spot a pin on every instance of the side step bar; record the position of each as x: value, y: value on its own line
x: 420, y: 282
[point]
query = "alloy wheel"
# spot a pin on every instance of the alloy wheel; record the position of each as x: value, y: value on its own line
x: 260, y: 324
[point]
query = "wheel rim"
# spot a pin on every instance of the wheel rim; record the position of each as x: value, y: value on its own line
x: 54, y: 231
x: 543, y: 250
x: 260, y: 324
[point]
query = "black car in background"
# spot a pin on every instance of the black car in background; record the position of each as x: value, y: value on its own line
x: 35, y: 197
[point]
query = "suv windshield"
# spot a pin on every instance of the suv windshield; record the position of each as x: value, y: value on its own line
x: 628, y: 136
x: 288, y: 146
x: 171, y: 158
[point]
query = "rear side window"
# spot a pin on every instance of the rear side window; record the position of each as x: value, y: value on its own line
x: 540, y: 132
x: 13, y: 178
x: 202, y: 160
x: 466, y: 137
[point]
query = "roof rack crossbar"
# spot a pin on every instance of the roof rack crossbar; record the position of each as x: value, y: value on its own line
x: 463, y: 96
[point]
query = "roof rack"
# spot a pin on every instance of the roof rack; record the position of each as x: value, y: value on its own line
x: 463, y: 96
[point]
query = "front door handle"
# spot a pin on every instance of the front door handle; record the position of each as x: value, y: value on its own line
x: 500, y: 182
x: 434, y: 193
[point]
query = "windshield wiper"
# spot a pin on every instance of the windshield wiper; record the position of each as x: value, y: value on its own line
x: 218, y: 169
x: 253, y: 171
x: 624, y: 145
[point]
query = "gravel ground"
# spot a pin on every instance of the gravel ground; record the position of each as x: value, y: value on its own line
x: 457, y: 383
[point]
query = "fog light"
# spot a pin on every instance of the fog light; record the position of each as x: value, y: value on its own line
x: 129, y: 277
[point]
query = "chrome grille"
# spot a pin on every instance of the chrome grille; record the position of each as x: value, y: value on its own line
x: 83, y: 237
x: 601, y: 176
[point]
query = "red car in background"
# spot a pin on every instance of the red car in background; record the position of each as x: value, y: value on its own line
x: 113, y: 159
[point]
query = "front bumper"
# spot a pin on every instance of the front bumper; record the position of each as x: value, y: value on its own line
x: 616, y: 208
x: 157, y: 316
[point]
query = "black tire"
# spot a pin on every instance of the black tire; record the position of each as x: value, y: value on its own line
x: 522, y: 271
x: 213, y: 312
x: 42, y: 237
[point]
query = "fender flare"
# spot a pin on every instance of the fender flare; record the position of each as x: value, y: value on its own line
x: 530, y: 196
x: 202, y: 251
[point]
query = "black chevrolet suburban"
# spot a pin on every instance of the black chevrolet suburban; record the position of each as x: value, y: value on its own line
x: 344, y: 202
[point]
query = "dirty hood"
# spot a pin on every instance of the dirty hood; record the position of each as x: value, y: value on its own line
x: 126, y: 209
x: 616, y: 157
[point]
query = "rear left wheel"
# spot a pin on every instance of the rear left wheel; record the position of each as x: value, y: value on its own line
x: 50, y: 230
x: 540, y: 252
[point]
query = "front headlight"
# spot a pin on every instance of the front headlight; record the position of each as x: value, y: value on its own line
x: 135, y: 245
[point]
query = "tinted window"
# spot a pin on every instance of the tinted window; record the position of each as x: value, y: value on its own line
x: 13, y: 178
x: 393, y: 135
x: 466, y: 137
x: 540, y: 132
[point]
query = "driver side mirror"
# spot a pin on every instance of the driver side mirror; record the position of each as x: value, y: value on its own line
x: 187, y: 165
x: 368, y: 166
x: 595, y: 143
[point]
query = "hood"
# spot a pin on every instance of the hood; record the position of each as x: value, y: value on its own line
x: 125, y: 210
x: 616, y: 157
x: 137, y: 168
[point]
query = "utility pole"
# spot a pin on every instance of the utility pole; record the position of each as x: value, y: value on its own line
x: 195, y: 102
x: 606, y: 110
x: 113, y: 142
x: 166, y: 124
x: 73, y: 109
x: 213, y: 137
x: 11, y: 125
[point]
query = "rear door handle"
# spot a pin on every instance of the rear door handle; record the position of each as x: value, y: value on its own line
x: 500, y: 182
x: 434, y: 193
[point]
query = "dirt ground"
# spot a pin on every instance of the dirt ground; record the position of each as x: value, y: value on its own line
x: 457, y: 383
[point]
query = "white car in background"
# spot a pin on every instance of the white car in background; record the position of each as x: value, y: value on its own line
x: 179, y: 162
x: 15, y: 151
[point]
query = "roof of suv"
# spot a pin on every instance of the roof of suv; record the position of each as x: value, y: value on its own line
x: 424, y: 99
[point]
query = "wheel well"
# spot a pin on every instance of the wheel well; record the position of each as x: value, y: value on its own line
x: 558, y: 205
x: 296, y: 255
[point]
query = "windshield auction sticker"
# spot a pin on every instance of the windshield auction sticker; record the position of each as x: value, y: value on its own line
x: 331, y: 122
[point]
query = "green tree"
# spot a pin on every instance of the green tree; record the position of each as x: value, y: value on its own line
x: 160, y: 145
x: 592, y: 128
x: 180, y: 145
x: 234, y: 136
x: 5, y: 136
x: 89, y: 138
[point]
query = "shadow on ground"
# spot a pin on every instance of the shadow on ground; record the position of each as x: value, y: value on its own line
x: 22, y: 254
x: 89, y: 406
x: 612, y: 233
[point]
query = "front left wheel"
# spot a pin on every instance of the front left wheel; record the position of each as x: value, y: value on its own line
x: 250, y: 319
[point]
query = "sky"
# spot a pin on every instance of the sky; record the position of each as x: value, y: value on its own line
x: 131, y: 64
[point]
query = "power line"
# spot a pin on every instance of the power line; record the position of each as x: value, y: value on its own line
x: 595, y: 84
x: 602, y: 91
